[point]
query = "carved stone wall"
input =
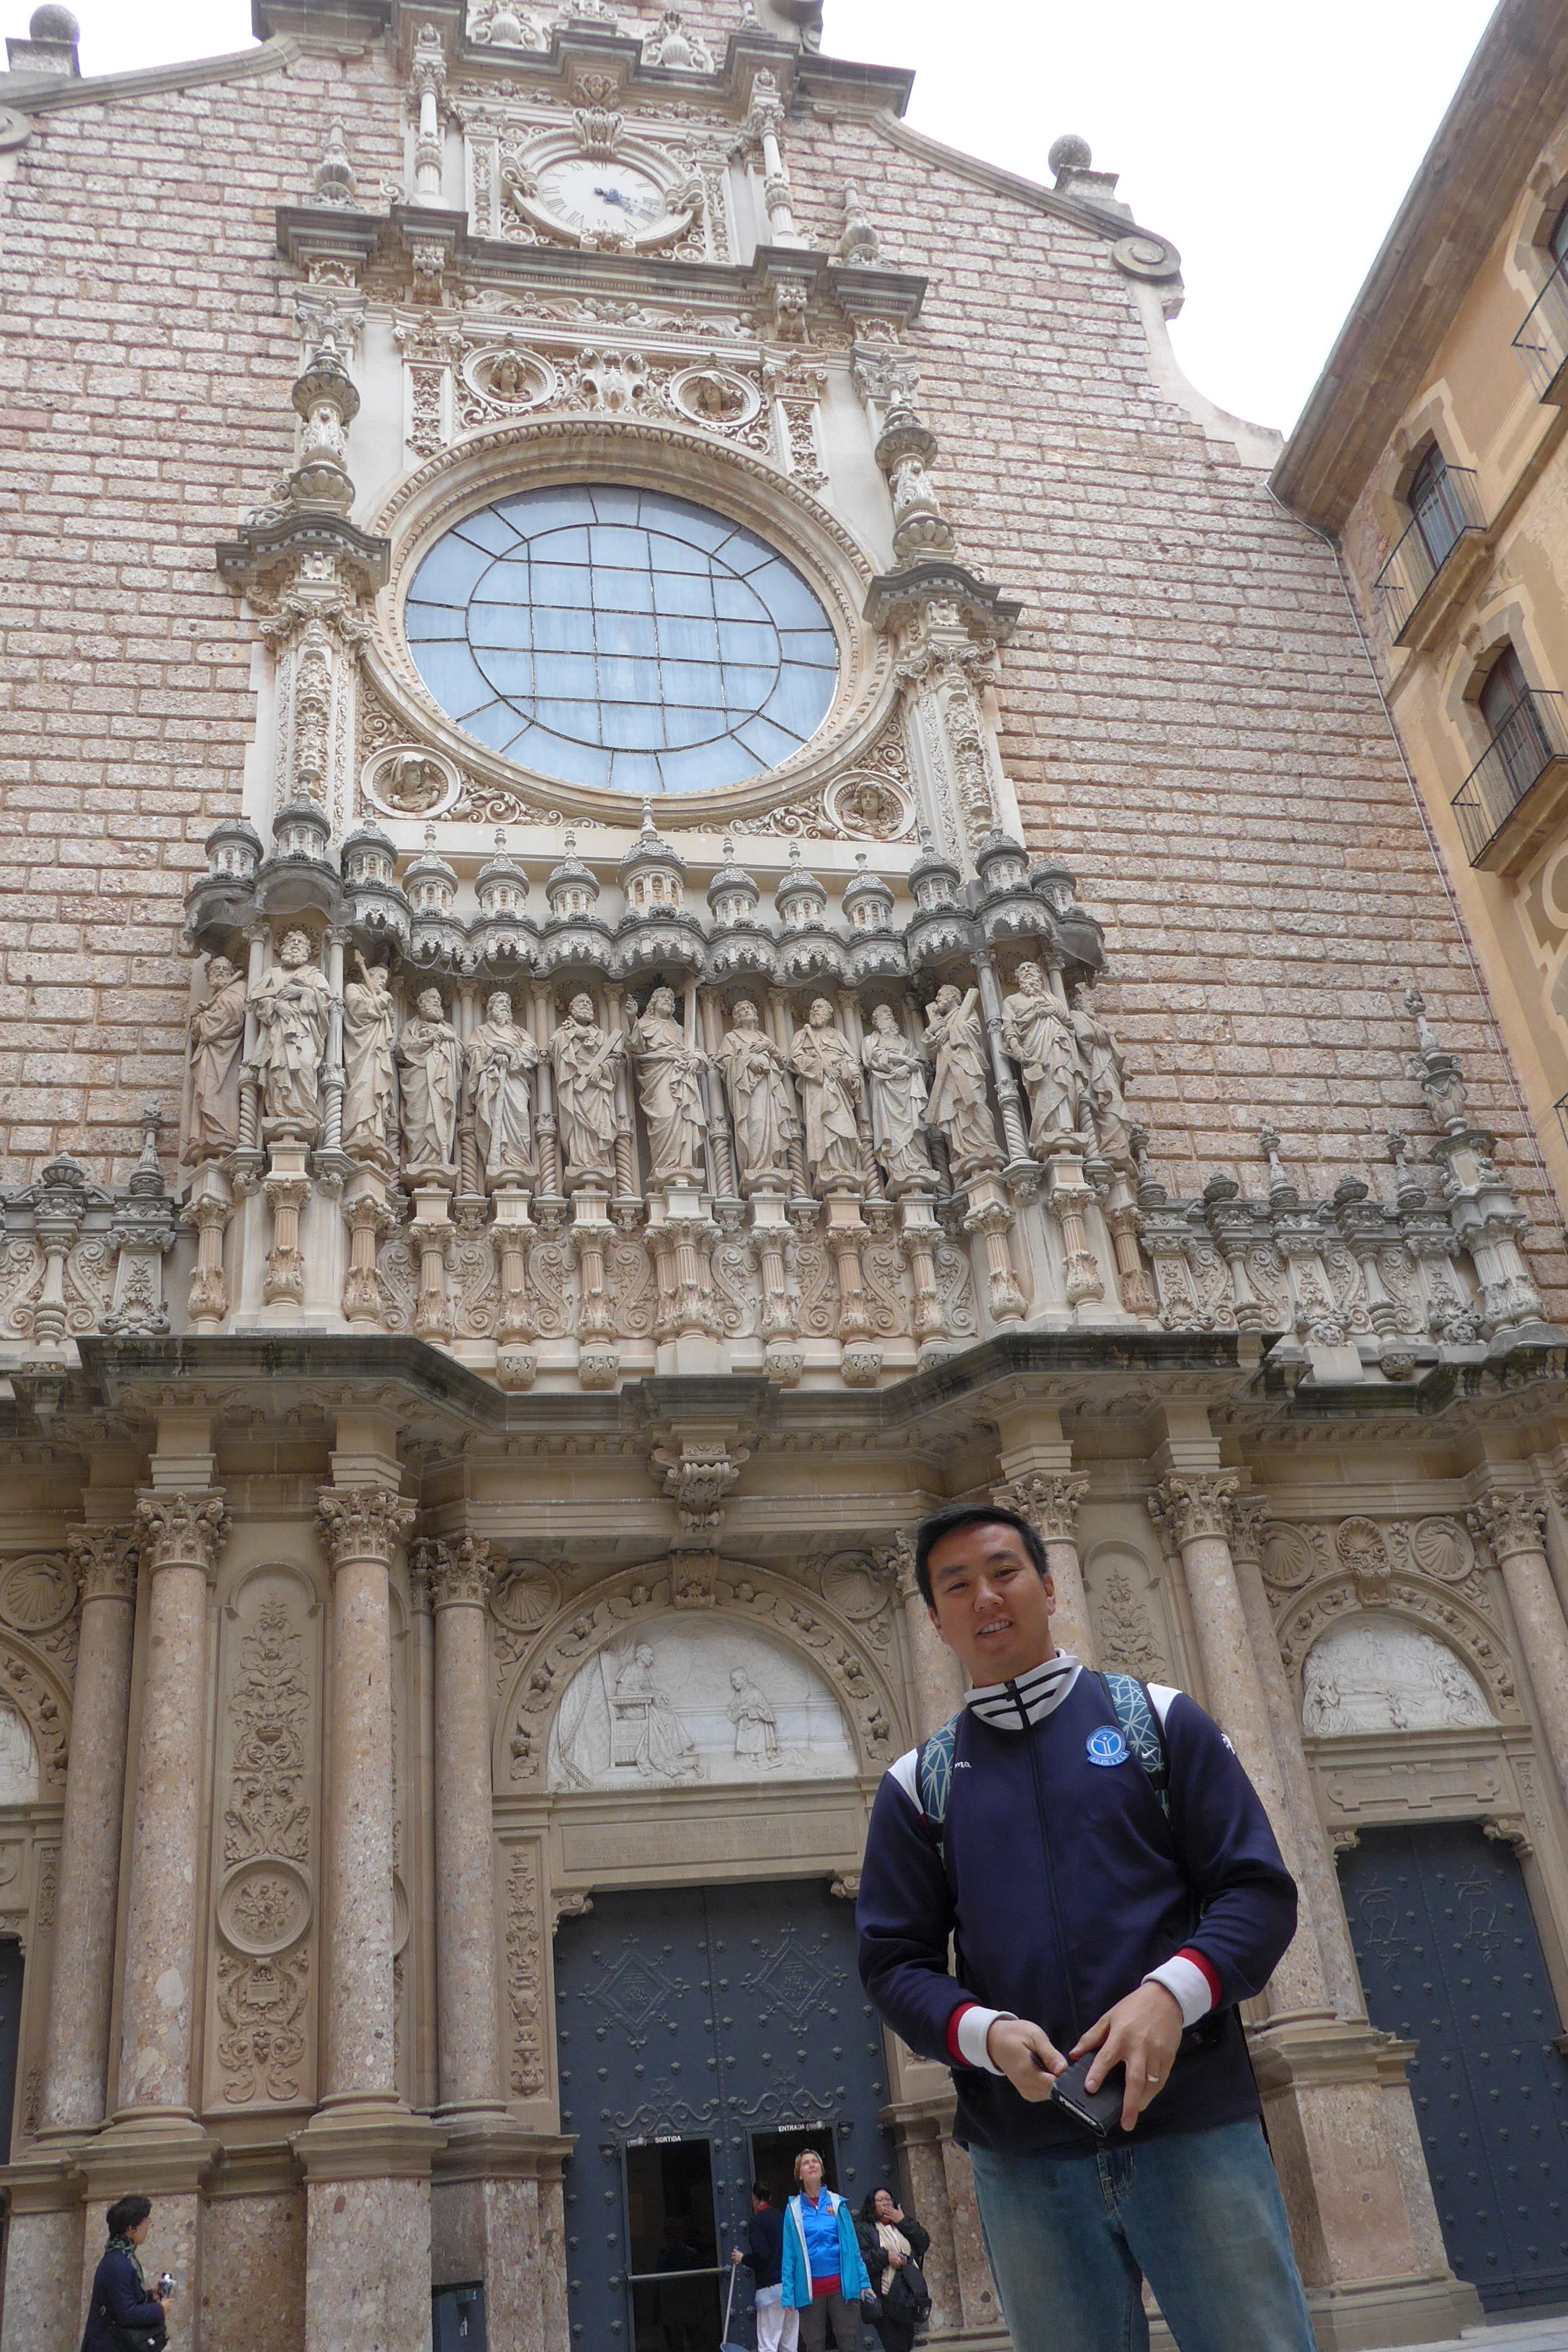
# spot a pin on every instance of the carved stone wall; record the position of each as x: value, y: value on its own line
x: 263, y: 2009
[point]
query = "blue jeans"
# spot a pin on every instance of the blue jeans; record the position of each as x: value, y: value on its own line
x: 1199, y: 2215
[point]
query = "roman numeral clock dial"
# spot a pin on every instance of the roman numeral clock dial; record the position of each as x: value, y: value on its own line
x: 591, y: 196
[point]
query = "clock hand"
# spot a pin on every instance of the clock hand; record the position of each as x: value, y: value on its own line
x: 615, y: 196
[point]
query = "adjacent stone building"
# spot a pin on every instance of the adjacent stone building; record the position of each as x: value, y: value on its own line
x: 690, y: 861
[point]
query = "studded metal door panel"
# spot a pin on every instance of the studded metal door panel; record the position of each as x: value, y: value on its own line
x: 1450, y: 1961
x: 712, y: 2013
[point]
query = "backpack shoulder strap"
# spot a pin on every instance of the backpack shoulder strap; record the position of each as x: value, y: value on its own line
x: 933, y: 1769
x: 1142, y: 1731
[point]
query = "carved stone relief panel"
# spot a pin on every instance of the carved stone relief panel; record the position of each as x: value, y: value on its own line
x: 1452, y: 1616
x: 685, y: 1696
x: 1131, y: 1632
x: 1381, y: 1673
x: 261, y: 2031
x: 18, y: 1759
x: 528, y: 2073
x: 681, y: 1702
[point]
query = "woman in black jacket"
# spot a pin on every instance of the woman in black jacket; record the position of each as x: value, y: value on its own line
x: 890, y: 2240
x: 124, y: 2311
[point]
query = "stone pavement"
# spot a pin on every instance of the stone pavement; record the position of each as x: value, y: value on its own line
x: 1509, y: 2334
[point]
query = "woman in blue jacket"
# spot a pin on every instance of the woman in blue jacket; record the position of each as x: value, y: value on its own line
x: 124, y: 2311
x: 823, y: 2276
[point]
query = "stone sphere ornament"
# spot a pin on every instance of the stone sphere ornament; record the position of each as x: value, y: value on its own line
x: 1069, y: 154
x: 53, y: 23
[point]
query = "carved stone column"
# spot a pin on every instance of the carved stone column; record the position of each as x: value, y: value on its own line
x: 44, y: 2244
x: 468, y: 2012
x: 1050, y: 1506
x: 935, y: 1674
x: 183, y: 1535
x: 1357, y: 2236
x: 366, y: 2158
x: 1512, y: 1525
x: 76, y: 2045
x: 155, y: 2143
x: 1303, y: 1840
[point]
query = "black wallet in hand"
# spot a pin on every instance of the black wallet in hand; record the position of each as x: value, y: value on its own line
x: 1098, y: 2111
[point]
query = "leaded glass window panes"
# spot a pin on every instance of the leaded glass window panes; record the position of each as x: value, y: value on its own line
x: 602, y: 634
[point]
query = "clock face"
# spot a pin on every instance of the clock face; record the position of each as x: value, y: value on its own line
x: 589, y: 196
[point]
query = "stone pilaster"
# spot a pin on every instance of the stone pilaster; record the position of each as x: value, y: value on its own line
x: 1512, y: 1525
x: 44, y: 2240
x: 366, y: 2158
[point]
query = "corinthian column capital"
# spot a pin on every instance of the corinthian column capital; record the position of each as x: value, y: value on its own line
x: 1246, y: 1516
x: 897, y: 1560
x: 183, y: 1530
x: 1048, y: 1503
x: 362, y: 1523
x: 459, y: 1574
x: 104, y: 1561
x: 1191, y: 1504
x: 1506, y: 1522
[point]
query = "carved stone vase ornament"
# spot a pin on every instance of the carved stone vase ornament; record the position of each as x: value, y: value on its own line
x: 500, y: 1059
x: 369, y: 1095
x: 584, y: 1058
x: 216, y: 1032
x: 1103, y: 1068
x: 762, y: 1102
x: 431, y: 1061
x: 896, y: 1092
x: 290, y: 1004
x: 959, y: 1106
x: 1039, y: 1036
x: 669, y: 1089
x: 830, y: 1087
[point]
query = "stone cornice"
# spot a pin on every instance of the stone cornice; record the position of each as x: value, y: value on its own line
x: 1511, y: 101
x: 1032, y: 194
x: 33, y: 96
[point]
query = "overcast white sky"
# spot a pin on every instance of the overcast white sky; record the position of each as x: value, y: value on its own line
x: 1273, y: 143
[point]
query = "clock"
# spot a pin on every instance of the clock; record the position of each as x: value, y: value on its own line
x: 597, y: 188
x: 601, y: 195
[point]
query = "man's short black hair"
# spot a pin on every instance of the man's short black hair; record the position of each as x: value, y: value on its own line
x: 953, y: 1516
x: 761, y: 2190
x: 125, y: 2213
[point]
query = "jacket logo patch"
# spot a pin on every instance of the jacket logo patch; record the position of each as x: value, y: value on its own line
x: 1106, y: 1745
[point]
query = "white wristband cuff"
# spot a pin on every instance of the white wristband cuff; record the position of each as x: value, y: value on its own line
x: 973, y: 2028
x: 1187, y: 1985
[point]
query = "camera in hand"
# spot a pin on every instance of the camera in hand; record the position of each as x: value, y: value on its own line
x: 1098, y: 2111
x: 167, y: 2284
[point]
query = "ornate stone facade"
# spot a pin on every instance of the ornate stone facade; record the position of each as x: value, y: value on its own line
x: 499, y: 1254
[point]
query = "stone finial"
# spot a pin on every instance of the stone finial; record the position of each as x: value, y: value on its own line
x: 53, y: 23
x: 857, y: 243
x: 1069, y: 154
x: 334, y: 178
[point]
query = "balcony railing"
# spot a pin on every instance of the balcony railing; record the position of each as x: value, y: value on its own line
x: 1448, y: 512
x: 1529, y: 740
x: 1542, y: 341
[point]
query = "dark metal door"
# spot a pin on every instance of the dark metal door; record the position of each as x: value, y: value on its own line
x: 10, y: 2030
x: 702, y: 2032
x: 1450, y: 1961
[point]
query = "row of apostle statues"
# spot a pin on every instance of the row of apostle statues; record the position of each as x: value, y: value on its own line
x: 816, y: 1109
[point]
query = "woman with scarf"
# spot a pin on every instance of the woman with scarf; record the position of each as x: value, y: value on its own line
x: 891, y: 2241
x: 823, y: 2276
x: 125, y: 2314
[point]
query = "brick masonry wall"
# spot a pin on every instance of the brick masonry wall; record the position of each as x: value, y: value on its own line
x: 1187, y: 711
x: 146, y: 353
x: 1188, y: 716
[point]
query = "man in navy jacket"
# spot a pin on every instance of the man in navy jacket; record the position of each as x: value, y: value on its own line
x: 1086, y: 1915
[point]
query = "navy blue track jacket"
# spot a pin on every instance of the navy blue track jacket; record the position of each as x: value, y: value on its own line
x: 1068, y: 1885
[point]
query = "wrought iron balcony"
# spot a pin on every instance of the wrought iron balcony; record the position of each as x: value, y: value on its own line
x: 1542, y: 341
x: 1447, y: 519
x: 1530, y: 743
